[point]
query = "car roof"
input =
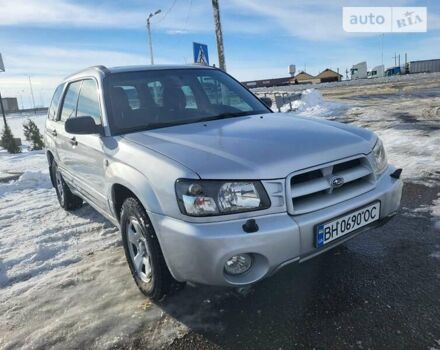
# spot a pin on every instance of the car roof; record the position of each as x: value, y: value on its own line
x: 103, y: 70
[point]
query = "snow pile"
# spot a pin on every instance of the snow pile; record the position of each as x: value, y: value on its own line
x: 312, y: 104
x: 30, y: 180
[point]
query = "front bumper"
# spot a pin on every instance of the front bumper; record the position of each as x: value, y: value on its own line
x: 197, y: 252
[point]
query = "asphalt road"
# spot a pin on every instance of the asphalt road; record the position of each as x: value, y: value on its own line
x: 380, y: 290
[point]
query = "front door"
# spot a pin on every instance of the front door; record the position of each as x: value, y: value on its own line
x: 87, y: 150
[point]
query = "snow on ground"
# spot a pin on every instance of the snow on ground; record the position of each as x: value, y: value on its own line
x: 64, y: 281
x: 412, y: 144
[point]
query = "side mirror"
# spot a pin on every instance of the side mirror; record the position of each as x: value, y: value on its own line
x: 267, y: 101
x: 82, y: 126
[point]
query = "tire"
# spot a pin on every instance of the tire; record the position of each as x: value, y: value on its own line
x: 143, y: 252
x: 68, y: 201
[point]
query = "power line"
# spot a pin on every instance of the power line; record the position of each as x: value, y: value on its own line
x: 168, y: 11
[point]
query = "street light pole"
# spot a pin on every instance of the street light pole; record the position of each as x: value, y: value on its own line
x: 2, y: 69
x: 3, y: 110
x: 149, y: 34
x: 32, y: 94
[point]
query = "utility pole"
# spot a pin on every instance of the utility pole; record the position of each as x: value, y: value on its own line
x: 382, y: 46
x: 149, y: 34
x: 2, y: 69
x: 219, y: 35
x: 32, y: 93
x: 3, y: 110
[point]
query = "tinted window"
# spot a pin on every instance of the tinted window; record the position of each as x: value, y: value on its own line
x: 52, y: 114
x: 175, y: 96
x: 70, y: 100
x: 220, y: 93
x: 88, y: 102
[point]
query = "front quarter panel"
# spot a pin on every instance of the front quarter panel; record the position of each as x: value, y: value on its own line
x: 148, y: 174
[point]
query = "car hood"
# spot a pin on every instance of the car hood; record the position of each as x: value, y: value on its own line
x: 264, y: 146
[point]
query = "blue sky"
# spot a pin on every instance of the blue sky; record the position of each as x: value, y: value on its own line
x: 53, y: 38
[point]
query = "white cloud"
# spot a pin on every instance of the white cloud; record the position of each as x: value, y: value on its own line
x: 48, y: 65
x: 314, y: 20
x: 67, y: 13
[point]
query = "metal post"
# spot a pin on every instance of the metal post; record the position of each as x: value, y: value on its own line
x: 149, y: 34
x: 149, y: 41
x: 219, y: 35
x: 32, y: 94
x: 382, y: 47
x: 3, y: 110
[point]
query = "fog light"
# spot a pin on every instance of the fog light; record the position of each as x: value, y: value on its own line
x: 238, y: 264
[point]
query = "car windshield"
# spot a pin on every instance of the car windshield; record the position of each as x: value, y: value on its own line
x: 152, y: 99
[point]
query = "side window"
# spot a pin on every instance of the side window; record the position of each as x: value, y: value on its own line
x: 52, y: 114
x: 70, y: 101
x: 219, y: 94
x: 88, y: 101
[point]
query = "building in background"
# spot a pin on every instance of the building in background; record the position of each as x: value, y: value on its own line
x: 303, y: 78
x: 267, y: 82
x: 10, y: 104
x: 328, y: 75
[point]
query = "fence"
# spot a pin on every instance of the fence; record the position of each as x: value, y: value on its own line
x: 280, y: 99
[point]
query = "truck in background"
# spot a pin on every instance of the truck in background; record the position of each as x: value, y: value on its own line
x: 377, y: 72
x: 359, y: 71
x: 393, y: 71
x: 425, y: 66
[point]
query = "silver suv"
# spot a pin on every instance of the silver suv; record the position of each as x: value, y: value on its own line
x: 206, y: 184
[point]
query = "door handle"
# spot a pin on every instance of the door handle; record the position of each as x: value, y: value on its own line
x: 54, y: 132
x: 73, y: 141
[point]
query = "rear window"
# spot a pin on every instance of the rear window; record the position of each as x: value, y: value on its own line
x: 70, y: 101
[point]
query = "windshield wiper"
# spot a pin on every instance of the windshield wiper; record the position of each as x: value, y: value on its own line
x: 226, y: 115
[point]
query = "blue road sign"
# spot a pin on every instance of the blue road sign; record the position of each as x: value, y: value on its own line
x: 201, y: 53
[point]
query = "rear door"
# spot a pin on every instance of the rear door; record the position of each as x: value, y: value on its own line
x: 51, y: 128
x: 63, y: 139
x: 87, y: 150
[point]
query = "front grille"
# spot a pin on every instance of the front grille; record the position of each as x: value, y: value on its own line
x: 312, y: 190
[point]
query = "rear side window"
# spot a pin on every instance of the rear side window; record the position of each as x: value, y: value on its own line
x: 53, y: 109
x: 70, y: 101
x: 88, y: 102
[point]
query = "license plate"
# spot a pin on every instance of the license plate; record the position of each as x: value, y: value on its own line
x: 329, y: 231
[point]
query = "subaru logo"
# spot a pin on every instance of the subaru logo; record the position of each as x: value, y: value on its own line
x: 336, y: 181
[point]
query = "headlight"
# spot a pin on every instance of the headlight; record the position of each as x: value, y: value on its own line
x: 206, y: 197
x: 379, y: 158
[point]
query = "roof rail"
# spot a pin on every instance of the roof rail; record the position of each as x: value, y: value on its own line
x: 100, y: 68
